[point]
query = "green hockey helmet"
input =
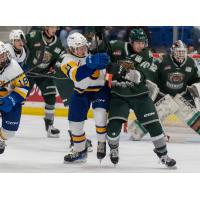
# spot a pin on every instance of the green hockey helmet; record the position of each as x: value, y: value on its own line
x: 137, y: 34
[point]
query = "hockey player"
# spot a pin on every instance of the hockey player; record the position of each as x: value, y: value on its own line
x: 12, y: 95
x: 65, y: 86
x: 16, y: 46
x: 177, y: 78
x: 44, y: 50
x: 130, y: 92
x: 87, y: 71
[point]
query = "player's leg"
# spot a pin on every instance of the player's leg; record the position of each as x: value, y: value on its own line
x: 165, y: 106
x: 78, y: 108
x: 64, y: 86
x: 136, y: 130
x: 100, y: 104
x: 146, y: 114
x: 48, y: 91
x: 118, y: 113
x: 10, y: 124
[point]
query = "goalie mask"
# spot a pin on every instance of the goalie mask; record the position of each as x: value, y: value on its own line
x: 179, y: 51
x: 4, y: 57
x: 77, y: 44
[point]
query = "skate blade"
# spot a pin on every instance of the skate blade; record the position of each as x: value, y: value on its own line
x: 75, y: 162
x: 100, y: 160
x: 89, y: 149
x: 53, y: 136
x: 172, y: 168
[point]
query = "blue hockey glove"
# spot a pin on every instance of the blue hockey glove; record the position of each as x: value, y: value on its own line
x: 97, y: 61
x: 6, y: 103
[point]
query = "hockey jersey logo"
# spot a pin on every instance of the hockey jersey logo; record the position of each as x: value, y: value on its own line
x: 95, y: 75
x: 176, y: 77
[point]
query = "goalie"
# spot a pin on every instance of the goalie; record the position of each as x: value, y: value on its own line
x: 178, y: 81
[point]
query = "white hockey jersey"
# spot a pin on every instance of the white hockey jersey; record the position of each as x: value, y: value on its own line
x: 93, y: 83
x: 19, y: 85
x: 20, y: 58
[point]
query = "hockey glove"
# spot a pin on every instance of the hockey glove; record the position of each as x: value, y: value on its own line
x: 97, y: 61
x: 133, y: 76
x: 6, y: 103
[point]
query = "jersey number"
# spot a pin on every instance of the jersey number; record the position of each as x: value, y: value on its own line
x: 24, y: 81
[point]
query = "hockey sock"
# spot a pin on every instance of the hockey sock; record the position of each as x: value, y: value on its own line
x: 154, y: 128
x: 160, y: 145
x: 49, y: 112
x: 100, y: 116
x: 101, y: 133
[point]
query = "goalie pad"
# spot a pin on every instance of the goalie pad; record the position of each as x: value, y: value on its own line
x: 136, y: 130
x: 166, y: 106
x: 153, y: 89
x: 188, y: 113
x: 194, y: 89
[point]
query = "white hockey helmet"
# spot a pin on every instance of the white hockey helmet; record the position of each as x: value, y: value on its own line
x: 4, y: 56
x: 179, y: 51
x: 16, y: 35
x: 76, y: 40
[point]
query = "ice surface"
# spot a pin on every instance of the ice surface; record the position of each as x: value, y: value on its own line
x: 31, y: 151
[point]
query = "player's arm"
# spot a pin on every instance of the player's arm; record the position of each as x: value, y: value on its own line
x: 21, y: 88
x: 77, y: 73
x: 17, y: 96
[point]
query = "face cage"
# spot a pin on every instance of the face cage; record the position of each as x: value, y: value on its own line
x: 179, y: 55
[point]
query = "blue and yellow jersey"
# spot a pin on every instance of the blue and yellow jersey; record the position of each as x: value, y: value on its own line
x: 84, y: 81
x: 19, y: 86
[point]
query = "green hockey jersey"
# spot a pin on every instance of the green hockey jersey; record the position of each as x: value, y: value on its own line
x: 173, y: 78
x: 142, y: 62
x: 42, y: 54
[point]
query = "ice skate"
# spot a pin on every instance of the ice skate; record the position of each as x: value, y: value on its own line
x: 101, y: 150
x: 166, y: 160
x: 76, y: 157
x: 52, y: 132
x: 114, y: 156
x: 88, y: 145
